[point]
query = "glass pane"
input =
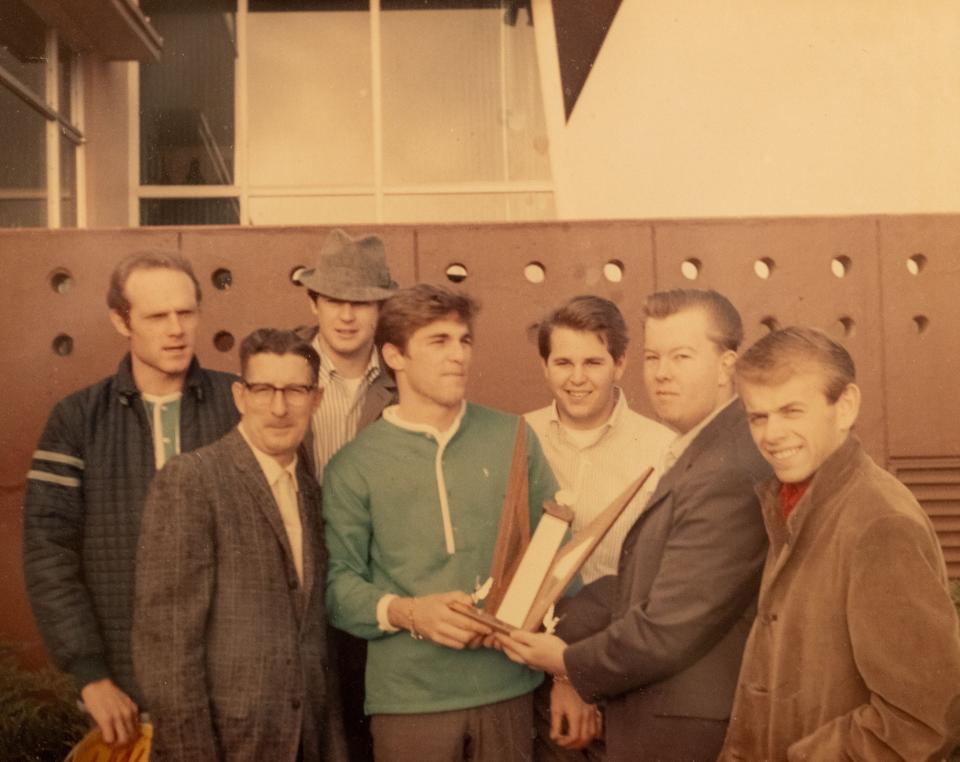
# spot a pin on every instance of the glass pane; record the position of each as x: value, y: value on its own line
x: 65, y: 58
x: 189, y: 211
x: 68, y: 183
x: 317, y: 210
x: 23, y: 200
x: 442, y: 95
x: 528, y: 154
x: 23, y: 213
x: 27, y: 63
x: 310, y: 108
x: 186, y: 99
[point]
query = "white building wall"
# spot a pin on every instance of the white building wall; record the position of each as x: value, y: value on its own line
x: 749, y: 107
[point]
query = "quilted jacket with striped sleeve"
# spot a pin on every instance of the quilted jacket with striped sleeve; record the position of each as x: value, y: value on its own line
x: 85, y: 492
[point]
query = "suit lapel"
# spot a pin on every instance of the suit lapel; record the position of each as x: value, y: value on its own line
x: 378, y: 396
x: 717, y: 427
x: 250, y: 475
x: 307, y: 499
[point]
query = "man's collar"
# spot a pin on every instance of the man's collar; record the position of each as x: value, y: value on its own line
x: 683, y: 441
x: 391, y: 414
x: 271, y: 467
x: 328, y: 369
x: 127, y: 387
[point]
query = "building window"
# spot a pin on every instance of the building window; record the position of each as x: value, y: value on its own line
x: 343, y: 112
x: 39, y: 139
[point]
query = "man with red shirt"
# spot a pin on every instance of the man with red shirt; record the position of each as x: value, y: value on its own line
x: 855, y: 651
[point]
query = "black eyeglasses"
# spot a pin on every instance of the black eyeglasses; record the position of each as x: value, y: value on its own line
x: 294, y: 395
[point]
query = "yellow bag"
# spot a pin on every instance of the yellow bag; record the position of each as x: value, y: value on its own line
x: 93, y: 749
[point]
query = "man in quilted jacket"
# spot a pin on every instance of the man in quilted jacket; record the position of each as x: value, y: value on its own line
x: 90, y: 473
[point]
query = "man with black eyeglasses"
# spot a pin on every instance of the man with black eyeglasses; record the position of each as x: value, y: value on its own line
x: 229, y: 635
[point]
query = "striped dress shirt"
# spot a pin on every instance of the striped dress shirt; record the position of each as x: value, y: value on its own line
x: 335, y: 421
x: 594, y: 471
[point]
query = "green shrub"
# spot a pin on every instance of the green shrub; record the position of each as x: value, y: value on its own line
x: 39, y: 717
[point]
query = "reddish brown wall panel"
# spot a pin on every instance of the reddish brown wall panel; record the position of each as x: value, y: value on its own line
x: 33, y: 314
x: 260, y: 262
x: 507, y: 370
x: 909, y: 379
x: 922, y: 367
x: 801, y: 289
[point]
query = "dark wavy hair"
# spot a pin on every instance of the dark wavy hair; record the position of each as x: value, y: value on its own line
x: 276, y: 341
x: 587, y: 313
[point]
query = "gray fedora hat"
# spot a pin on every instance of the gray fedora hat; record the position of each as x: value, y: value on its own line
x: 351, y: 269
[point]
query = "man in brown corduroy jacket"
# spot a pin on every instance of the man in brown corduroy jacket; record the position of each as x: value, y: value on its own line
x: 855, y: 651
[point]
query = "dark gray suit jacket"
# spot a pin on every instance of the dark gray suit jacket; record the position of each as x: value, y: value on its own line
x: 665, y: 636
x: 230, y: 651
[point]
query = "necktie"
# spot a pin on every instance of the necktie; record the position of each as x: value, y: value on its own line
x: 286, y: 495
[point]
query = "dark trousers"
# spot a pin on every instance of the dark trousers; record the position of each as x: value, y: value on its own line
x: 544, y: 749
x: 501, y: 732
x: 351, y: 662
x: 669, y: 739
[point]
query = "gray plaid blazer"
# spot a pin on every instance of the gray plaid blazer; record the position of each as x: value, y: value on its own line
x: 230, y: 651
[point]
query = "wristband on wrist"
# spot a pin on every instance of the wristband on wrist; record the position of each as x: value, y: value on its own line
x: 562, y: 678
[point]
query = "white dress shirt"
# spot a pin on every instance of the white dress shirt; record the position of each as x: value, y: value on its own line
x: 594, y: 467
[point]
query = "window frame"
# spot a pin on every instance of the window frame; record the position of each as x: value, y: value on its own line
x: 57, y: 122
x: 244, y: 192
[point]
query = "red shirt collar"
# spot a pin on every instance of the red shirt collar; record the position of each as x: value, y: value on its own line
x: 790, y: 495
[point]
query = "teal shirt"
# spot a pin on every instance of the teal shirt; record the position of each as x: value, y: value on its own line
x: 384, y: 534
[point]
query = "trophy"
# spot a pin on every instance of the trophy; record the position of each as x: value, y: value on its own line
x: 529, y: 573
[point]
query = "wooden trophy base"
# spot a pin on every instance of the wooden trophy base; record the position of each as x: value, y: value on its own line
x: 482, y: 617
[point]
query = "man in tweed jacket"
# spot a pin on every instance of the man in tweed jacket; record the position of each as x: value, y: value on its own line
x: 90, y: 473
x: 229, y: 636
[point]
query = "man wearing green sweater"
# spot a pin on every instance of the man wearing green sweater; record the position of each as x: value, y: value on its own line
x: 412, y: 509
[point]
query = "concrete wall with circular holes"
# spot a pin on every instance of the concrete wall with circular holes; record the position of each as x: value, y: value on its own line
x: 887, y: 287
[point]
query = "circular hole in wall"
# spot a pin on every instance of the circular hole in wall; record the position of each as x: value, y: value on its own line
x: 916, y: 263
x: 763, y: 268
x: 62, y: 345
x: 222, y: 278
x: 690, y: 268
x: 921, y: 322
x: 840, y: 266
x: 456, y: 273
x: 845, y: 326
x: 770, y: 323
x: 295, y: 274
x: 223, y: 341
x: 535, y: 272
x: 61, y: 281
x: 613, y: 271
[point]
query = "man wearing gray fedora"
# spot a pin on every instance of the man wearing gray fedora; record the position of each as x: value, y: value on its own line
x: 346, y: 287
